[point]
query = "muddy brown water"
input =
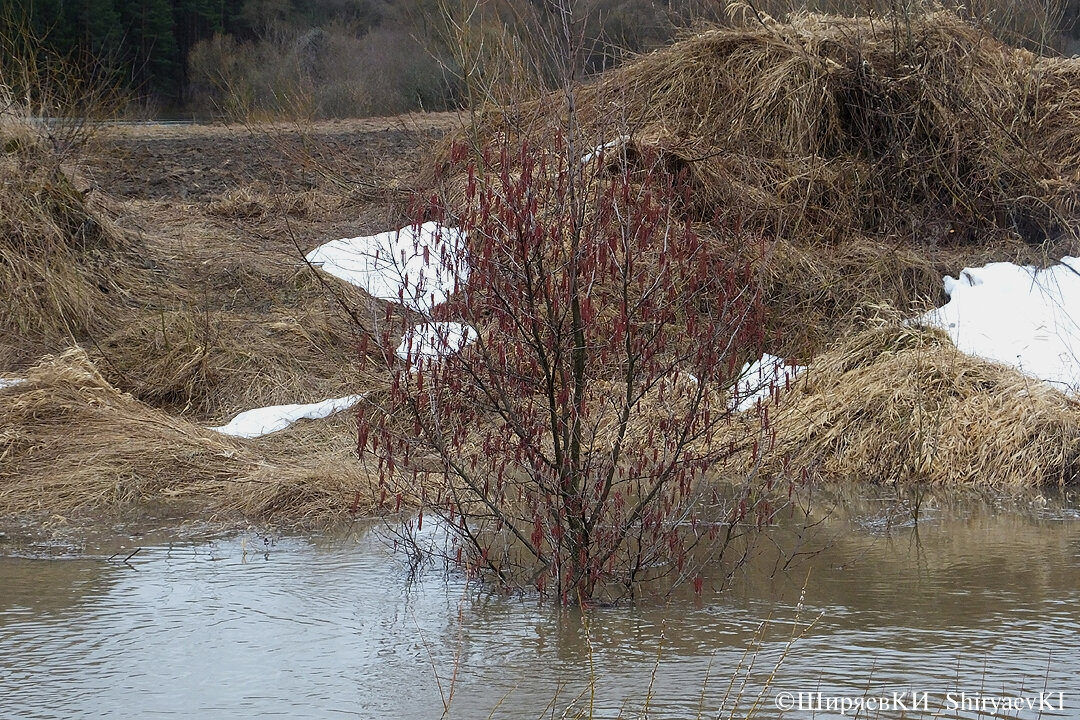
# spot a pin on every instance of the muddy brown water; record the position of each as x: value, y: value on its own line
x: 978, y: 605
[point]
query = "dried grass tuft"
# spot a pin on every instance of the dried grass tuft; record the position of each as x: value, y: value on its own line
x: 926, y: 129
x: 212, y: 365
x: 71, y: 442
x: 256, y: 201
x: 61, y: 258
x: 900, y: 404
x: 68, y: 273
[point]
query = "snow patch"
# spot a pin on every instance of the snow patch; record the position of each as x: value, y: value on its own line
x: 417, y: 266
x: 757, y: 380
x: 434, y: 341
x: 599, y: 149
x: 1019, y: 316
x: 10, y: 382
x: 265, y: 420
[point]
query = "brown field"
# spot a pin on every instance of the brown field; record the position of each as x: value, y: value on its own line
x: 224, y: 214
x: 213, y: 311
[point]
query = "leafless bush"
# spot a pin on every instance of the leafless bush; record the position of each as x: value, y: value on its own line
x: 319, y: 73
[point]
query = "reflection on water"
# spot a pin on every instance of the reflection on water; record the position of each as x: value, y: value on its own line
x: 982, y: 602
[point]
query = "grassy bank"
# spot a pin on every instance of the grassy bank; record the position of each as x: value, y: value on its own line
x: 869, y: 157
x: 155, y: 283
x: 156, y: 286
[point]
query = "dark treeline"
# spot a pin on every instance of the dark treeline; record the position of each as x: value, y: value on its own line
x: 334, y: 58
x: 318, y: 57
x: 149, y: 43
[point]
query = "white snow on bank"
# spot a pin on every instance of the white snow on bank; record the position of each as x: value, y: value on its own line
x: 415, y: 266
x: 10, y: 382
x: 434, y: 341
x: 265, y: 420
x: 757, y: 380
x: 1018, y: 316
x: 596, y: 151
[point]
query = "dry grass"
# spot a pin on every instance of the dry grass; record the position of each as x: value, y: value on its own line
x: 62, y: 262
x: 900, y: 404
x: 865, y: 162
x: 815, y: 291
x: 869, y: 155
x: 66, y: 270
x: 68, y: 273
x: 151, y: 320
x: 190, y: 331
x: 212, y: 365
x: 188, y: 313
x: 927, y: 131
x: 71, y: 442
x: 257, y: 201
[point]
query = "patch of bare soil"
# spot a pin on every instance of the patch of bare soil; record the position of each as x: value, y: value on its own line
x: 170, y: 162
x: 226, y: 214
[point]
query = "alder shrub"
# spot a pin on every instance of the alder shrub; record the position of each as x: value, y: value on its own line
x: 583, y: 442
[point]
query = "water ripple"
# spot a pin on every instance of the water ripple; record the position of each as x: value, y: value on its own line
x: 243, y: 627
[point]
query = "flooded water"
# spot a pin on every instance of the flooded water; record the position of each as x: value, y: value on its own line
x: 977, y: 613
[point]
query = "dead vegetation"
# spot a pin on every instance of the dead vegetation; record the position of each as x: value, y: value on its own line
x: 211, y: 365
x: 63, y: 269
x: 871, y: 155
x: 865, y: 158
x: 258, y: 201
x: 156, y: 327
x: 205, y: 338
x: 900, y: 404
x: 71, y: 442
